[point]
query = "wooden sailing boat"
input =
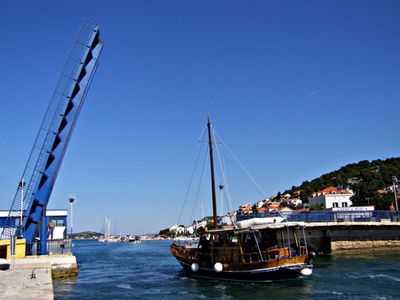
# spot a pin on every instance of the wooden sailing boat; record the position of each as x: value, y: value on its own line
x: 257, y: 253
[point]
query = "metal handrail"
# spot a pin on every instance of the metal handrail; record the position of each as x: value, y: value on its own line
x: 333, y: 216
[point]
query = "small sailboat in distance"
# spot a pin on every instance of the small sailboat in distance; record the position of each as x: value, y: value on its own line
x: 245, y: 253
x: 106, y: 231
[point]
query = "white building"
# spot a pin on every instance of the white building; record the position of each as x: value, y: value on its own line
x: 296, y: 202
x: 58, y: 216
x: 332, y: 197
x: 246, y: 208
x: 263, y: 203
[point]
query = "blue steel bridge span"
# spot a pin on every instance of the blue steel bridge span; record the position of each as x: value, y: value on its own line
x: 26, y: 216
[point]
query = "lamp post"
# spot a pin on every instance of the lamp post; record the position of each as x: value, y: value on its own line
x: 394, y: 179
x: 21, y: 186
x: 221, y: 187
x: 72, y: 200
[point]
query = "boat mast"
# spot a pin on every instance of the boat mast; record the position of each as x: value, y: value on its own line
x: 214, y: 198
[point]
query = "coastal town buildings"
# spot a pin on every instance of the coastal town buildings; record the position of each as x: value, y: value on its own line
x: 246, y: 208
x: 332, y: 197
x: 295, y: 202
x: 262, y: 206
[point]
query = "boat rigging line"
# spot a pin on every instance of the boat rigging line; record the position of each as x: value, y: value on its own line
x: 219, y: 146
x: 225, y: 180
x: 198, y: 189
x: 191, y: 180
x: 260, y: 190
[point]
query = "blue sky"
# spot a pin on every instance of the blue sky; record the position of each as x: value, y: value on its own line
x: 295, y: 88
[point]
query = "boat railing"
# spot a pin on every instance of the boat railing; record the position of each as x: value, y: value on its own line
x: 187, y: 242
x: 222, y: 255
x: 186, y: 253
x: 303, y: 250
x: 274, y: 253
x: 236, y: 255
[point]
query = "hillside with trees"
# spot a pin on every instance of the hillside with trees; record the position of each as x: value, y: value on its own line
x: 364, y: 177
x: 87, y: 235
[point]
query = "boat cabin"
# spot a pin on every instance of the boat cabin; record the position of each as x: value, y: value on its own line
x: 248, y: 246
x: 251, y: 245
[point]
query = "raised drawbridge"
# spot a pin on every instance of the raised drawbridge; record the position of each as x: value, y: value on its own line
x: 26, y: 216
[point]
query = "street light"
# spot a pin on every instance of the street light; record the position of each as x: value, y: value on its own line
x: 221, y: 187
x: 72, y: 201
x: 394, y: 179
x: 21, y: 186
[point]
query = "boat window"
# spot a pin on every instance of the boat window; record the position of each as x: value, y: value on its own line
x: 258, y: 236
x: 248, y: 242
x: 282, y: 238
x: 218, y: 240
x: 204, y: 242
x: 223, y: 239
x: 206, y: 236
x: 268, y: 239
x: 59, y: 221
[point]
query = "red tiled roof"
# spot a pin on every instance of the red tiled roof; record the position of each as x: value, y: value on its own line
x: 330, y: 190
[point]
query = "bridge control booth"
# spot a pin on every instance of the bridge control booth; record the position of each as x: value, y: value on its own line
x: 56, y: 236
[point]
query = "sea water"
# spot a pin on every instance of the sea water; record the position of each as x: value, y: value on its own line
x: 148, y: 271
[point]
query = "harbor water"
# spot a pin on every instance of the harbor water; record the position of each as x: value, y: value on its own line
x: 148, y: 271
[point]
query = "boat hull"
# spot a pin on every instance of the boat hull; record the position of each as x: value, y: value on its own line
x: 260, y: 275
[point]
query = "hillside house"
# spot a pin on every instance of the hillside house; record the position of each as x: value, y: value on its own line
x: 295, y: 202
x: 263, y: 203
x: 332, y: 197
x: 246, y: 208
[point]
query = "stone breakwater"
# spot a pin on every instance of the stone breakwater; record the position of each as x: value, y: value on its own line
x: 364, y: 245
x: 329, y: 237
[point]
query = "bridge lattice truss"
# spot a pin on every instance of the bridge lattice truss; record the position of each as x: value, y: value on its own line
x: 55, y: 132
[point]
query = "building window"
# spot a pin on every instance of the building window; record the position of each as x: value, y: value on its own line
x: 344, y: 204
x: 335, y: 204
x: 59, y: 221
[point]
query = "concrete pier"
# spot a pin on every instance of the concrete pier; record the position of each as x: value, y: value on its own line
x: 62, y: 265
x: 29, y: 283
x: 31, y: 277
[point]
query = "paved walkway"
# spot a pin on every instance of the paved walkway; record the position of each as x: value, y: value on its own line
x: 29, y: 283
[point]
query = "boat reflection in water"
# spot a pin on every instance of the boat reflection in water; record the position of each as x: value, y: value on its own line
x: 249, y: 251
